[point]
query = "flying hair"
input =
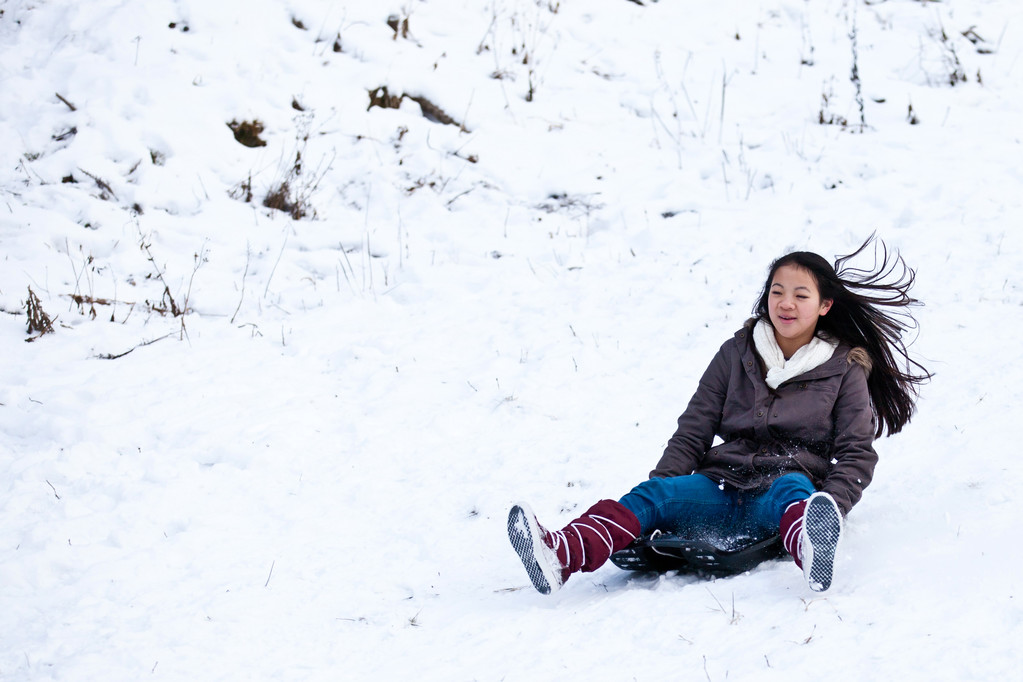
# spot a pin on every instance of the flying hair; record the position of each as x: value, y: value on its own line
x: 871, y: 310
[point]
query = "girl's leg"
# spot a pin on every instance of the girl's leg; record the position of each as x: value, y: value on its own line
x: 583, y: 545
x: 680, y: 503
x: 810, y: 524
x: 765, y: 510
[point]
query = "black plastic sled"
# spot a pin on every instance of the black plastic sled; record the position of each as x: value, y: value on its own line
x: 662, y: 552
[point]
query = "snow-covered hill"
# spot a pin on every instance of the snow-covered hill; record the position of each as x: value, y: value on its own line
x: 280, y: 443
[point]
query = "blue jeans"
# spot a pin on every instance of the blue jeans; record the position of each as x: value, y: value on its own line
x: 700, y: 509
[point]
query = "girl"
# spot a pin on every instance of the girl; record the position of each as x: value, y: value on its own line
x: 797, y: 397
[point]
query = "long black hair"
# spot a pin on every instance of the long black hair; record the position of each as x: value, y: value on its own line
x: 859, y: 317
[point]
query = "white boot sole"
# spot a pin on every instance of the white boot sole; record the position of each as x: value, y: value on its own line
x: 540, y: 561
x: 822, y: 531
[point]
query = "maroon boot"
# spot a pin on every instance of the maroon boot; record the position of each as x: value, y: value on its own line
x: 583, y: 545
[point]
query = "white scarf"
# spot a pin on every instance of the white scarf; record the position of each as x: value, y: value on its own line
x: 780, y: 370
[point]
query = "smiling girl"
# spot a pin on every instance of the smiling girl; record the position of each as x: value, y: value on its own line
x: 796, y: 398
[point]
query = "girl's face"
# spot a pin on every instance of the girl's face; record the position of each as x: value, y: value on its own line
x: 794, y: 304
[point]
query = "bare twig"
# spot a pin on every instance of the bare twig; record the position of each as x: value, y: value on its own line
x: 348, y: 279
x: 854, y: 76
x: 70, y: 106
x: 200, y: 258
x: 115, y: 356
x: 102, y: 184
x: 248, y: 255
x: 269, y: 279
x: 175, y: 311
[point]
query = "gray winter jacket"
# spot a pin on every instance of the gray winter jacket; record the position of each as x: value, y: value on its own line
x: 820, y: 423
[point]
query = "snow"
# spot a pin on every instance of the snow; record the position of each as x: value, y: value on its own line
x: 307, y: 475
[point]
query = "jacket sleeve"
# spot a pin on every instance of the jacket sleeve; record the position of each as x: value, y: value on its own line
x: 853, y: 458
x: 700, y: 421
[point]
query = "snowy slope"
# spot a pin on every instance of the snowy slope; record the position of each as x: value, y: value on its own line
x: 503, y: 289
